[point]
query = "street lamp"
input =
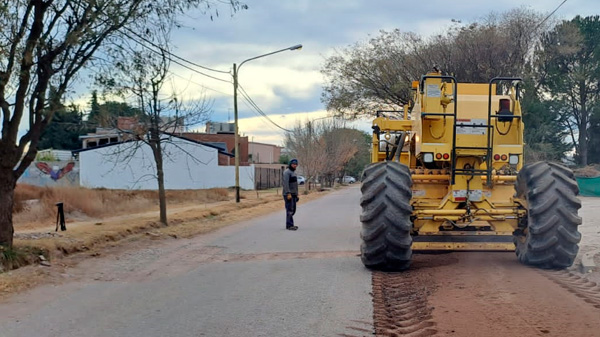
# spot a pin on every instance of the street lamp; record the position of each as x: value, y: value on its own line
x: 235, y: 113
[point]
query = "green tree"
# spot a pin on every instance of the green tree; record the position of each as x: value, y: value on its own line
x: 284, y: 159
x: 594, y: 144
x: 115, y: 109
x: 362, y: 158
x: 569, y: 60
x: 44, y: 46
x: 94, y: 117
x: 544, y: 132
x: 64, y: 131
x: 106, y: 114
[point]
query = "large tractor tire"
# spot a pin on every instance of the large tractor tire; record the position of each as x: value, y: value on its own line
x: 547, y: 237
x: 386, y: 210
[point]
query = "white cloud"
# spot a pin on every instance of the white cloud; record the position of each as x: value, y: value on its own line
x: 261, y: 130
x: 289, y: 83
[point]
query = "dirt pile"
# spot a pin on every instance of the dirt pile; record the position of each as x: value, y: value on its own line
x: 590, y: 171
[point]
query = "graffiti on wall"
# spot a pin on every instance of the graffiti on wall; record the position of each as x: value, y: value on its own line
x: 52, y: 173
x: 55, y: 172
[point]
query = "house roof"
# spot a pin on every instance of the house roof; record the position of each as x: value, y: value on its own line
x: 219, y: 149
x: 258, y: 143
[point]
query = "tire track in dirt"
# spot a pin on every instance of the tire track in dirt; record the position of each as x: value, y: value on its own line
x: 400, y: 306
x: 362, y: 327
x: 491, y: 293
x: 587, y: 290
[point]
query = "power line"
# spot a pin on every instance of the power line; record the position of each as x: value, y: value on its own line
x: 549, y: 15
x: 259, y: 110
x: 173, y: 60
x: 173, y: 55
x: 170, y: 56
x: 201, y: 85
x: 255, y: 106
x: 168, y: 53
x: 269, y: 125
x: 248, y: 101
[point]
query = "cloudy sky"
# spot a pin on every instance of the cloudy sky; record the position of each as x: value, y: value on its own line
x: 287, y: 86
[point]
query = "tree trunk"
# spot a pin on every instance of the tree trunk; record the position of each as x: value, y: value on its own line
x: 583, y: 137
x: 7, y: 192
x: 162, y: 197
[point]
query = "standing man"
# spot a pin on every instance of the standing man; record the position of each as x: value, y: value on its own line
x: 290, y: 194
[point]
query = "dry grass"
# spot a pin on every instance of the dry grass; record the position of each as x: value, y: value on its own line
x: 184, y: 220
x: 95, y: 217
x: 127, y: 213
x: 38, y: 204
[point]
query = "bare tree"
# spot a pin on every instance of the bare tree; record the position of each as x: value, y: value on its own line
x: 44, y: 44
x: 340, y: 146
x: 323, y: 148
x: 376, y: 74
x: 141, y: 73
x: 306, y: 144
x: 371, y: 76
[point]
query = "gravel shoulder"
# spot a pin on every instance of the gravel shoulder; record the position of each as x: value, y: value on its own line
x: 590, y: 236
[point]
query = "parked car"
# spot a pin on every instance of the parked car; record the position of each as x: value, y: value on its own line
x: 301, y: 180
x: 348, y: 180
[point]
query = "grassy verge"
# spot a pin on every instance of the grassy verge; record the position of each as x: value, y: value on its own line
x: 185, y: 220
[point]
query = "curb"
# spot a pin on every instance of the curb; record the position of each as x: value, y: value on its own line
x: 587, y: 264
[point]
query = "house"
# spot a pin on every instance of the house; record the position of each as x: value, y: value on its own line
x: 187, y: 164
x: 128, y: 128
x: 214, y: 127
x: 261, y: 153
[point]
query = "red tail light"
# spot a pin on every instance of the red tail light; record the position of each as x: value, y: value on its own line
x: 496, y: 157
x: 446, y: 156
x: 505, y: 104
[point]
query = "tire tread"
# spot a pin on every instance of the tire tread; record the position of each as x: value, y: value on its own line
x: 552, y: 238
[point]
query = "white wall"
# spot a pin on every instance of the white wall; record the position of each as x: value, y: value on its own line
x: 187, y: 165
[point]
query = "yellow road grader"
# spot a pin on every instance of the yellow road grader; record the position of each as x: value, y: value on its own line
x: 447, y: 173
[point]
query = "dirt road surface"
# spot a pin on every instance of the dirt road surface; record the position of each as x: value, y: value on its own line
x: 257, y: 279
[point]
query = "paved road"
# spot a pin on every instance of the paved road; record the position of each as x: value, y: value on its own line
x: 251, y: 279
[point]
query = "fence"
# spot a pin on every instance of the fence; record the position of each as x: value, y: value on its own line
x: 265, y: 177
x: 589, y: 187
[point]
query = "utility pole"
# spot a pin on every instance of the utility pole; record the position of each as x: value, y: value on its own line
x: 237, y: 137
x: 235, y: 115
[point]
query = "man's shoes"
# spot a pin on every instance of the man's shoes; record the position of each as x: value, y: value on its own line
x: 292, y: 228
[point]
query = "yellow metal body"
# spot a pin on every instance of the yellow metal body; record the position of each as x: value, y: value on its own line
x: 463, y: 199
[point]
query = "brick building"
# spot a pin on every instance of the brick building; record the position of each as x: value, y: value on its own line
x: 225, y: 141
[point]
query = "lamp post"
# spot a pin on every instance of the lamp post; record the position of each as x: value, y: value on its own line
x: 236, y: 70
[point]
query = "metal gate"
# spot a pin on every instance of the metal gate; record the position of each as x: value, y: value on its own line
x: 265, y: 178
